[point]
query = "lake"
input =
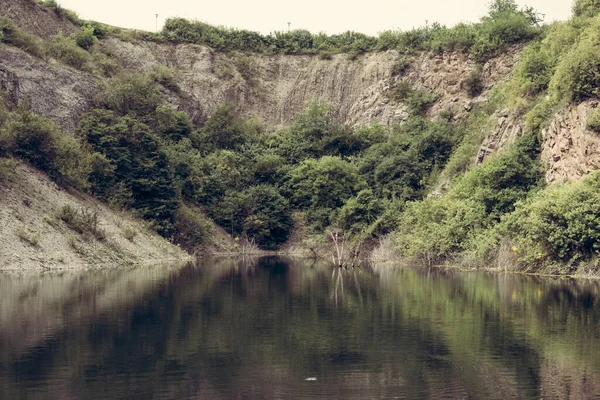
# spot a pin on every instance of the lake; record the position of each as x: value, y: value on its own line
x: 280, y: 328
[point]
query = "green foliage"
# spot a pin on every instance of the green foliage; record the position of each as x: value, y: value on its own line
x: 474, y: 82
x: 166, y: 77
x: 501, y: 182
x: 66, y: 50
x: 418, y: 101
x: 561, y: 223
x: 577, y: 75
x: 83, y: 221
x: 130, y: 93
x: 85, y: 37
x: 505, y: 25
x: 593, y: 121
x: 535, y: 70
x: 174, y: 124
x: 63, y: 12
x: 14, y: 36
x: 132, y: 168
x: 224, y: 130
x: 399, y: 167
x: 400, y: 65
x: 268, y: 217
x: 360, y: 212
x: 315, y: 134
x: 39, y: 141
x: 435, y: 229
x: 586, y: 8
x: 8, y: 168
x: 192, y: 228
x: 323, y: 185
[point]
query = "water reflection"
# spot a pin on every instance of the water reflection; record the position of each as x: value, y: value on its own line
x: 260, y: 328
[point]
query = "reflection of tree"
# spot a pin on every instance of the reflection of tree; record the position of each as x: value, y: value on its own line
x: 258, y: 328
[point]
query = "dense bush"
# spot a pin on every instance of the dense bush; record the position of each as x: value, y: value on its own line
x: 593, y: 121
x: 560, y: 224
x: 39, y: 141
x: 586, y: 8
x: 474, y: 82
x: 418, y: 101
x: 134, y: 171
x: 322, y: 186
x: 435, y: 229
x: 130, y: 93
x: 535, y: 70
x: 85, y: 37
x: 577, y: 75
x: 360, y: 212
x: 192, y: 228
x: 400, y: 167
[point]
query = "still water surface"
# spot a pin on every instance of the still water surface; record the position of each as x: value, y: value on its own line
x: 259, y: 329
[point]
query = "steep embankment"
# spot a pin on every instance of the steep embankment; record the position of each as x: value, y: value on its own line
x: 43, y: 226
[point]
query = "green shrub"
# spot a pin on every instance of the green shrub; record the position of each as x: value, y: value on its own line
x: 447, y: 115
x: 193, y: 229
x: 8, y: 168
x: 35, y: 139
x: 586, y: 8
x: 85, y: 37
x: 561, y: 223
x: 105, y: 64
x: 359, y: 212
x: 132, y: 167
x: 474, y: 82
x: 400, y: 65
x: 130, y: 93
x: 268, y: 217
x: 83, y: 221
x: 459, y: 38
x: 432, y: 230
x: 504, y: 26
x: 14, y: 36
x: 418, y: 101
x: 535, y: 70
x: 66, y: 50
x: 39, y: 141
x: 593, y: 121
x: 166, y: 77
x: 321, y: 186
x: 435, y: 229
x: 577, y: 75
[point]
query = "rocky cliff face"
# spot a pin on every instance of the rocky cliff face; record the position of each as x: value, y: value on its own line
x: 569, y: 149
x: 274, y: 88
x: 277, y: 88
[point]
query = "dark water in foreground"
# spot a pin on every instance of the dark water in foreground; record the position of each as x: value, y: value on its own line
x: 260, y: 329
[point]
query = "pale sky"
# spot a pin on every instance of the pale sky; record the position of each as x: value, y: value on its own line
x: 330, y: 16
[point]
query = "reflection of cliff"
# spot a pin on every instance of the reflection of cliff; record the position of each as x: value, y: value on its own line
x: 259, y: 329
x: 37, y: 307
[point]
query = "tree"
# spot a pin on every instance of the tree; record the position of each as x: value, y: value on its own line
x: 323, y: 185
